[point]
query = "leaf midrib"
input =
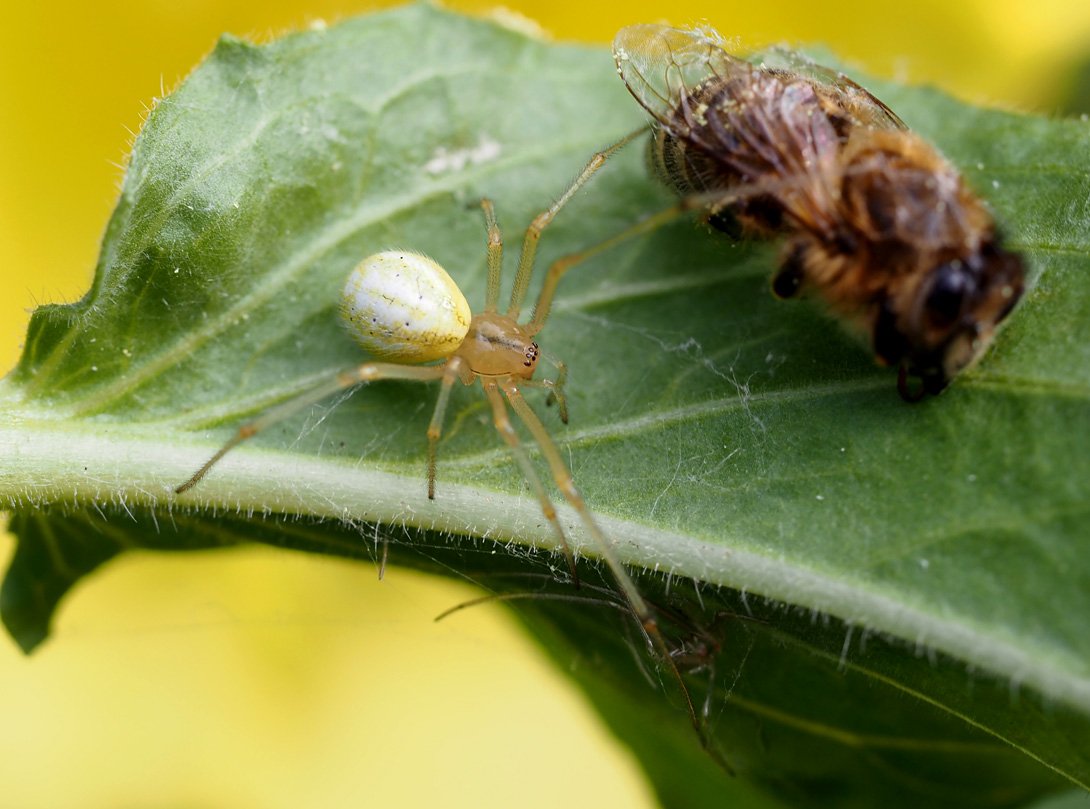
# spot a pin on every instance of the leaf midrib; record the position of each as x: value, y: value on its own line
x: 257, y: 481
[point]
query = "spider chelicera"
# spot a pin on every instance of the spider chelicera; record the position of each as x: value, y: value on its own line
x: 405, y: 310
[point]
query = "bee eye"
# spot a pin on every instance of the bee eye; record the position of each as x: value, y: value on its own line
x: 946, y: 297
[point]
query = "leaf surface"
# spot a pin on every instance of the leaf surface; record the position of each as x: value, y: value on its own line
x: 935, y: 557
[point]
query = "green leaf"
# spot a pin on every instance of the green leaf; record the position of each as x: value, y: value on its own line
x: 935, y: 557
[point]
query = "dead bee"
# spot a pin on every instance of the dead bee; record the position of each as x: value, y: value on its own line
x: 877, y: 222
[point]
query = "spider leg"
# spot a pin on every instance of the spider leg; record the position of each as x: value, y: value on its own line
x: 641, y: 611
x: 554, y: 386
x: 367, y: 372
x: 564, y: 481
x: 559, y: 268
x: 566, y: 598
x: 495, y: 255
x: 451, y: 369
x: 542, y: 220
x: 505, y: 429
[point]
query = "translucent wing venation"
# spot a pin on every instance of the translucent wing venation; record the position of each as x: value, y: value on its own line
x: 863, y: 107
x: 661, y: 66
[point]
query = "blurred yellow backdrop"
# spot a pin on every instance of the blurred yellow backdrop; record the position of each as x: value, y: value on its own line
x: 258, y: 678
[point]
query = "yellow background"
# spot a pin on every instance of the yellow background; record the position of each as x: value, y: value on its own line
x: 255, y: 678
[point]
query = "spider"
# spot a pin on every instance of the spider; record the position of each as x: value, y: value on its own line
x: 404, y: 309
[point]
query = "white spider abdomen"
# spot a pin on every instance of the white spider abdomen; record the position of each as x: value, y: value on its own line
x: 403, y: 307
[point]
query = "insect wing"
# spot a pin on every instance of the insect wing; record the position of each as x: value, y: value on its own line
x: 850, y: 99
x: 661, y: 66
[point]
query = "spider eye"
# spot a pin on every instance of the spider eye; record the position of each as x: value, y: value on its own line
x: 946, y: 297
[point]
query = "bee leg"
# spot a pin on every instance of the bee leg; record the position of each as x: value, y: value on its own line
x: 788, y: 279
x: 889, y: 343
x: 907, y: 391
x: 727, y: 223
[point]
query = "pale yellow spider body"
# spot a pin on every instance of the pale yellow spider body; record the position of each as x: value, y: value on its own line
x: 403, y: 307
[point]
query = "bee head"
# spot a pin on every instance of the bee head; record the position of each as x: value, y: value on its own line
x: 950, y: 317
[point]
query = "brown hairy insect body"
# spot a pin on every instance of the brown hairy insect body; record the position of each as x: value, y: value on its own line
x: 876, y: 221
